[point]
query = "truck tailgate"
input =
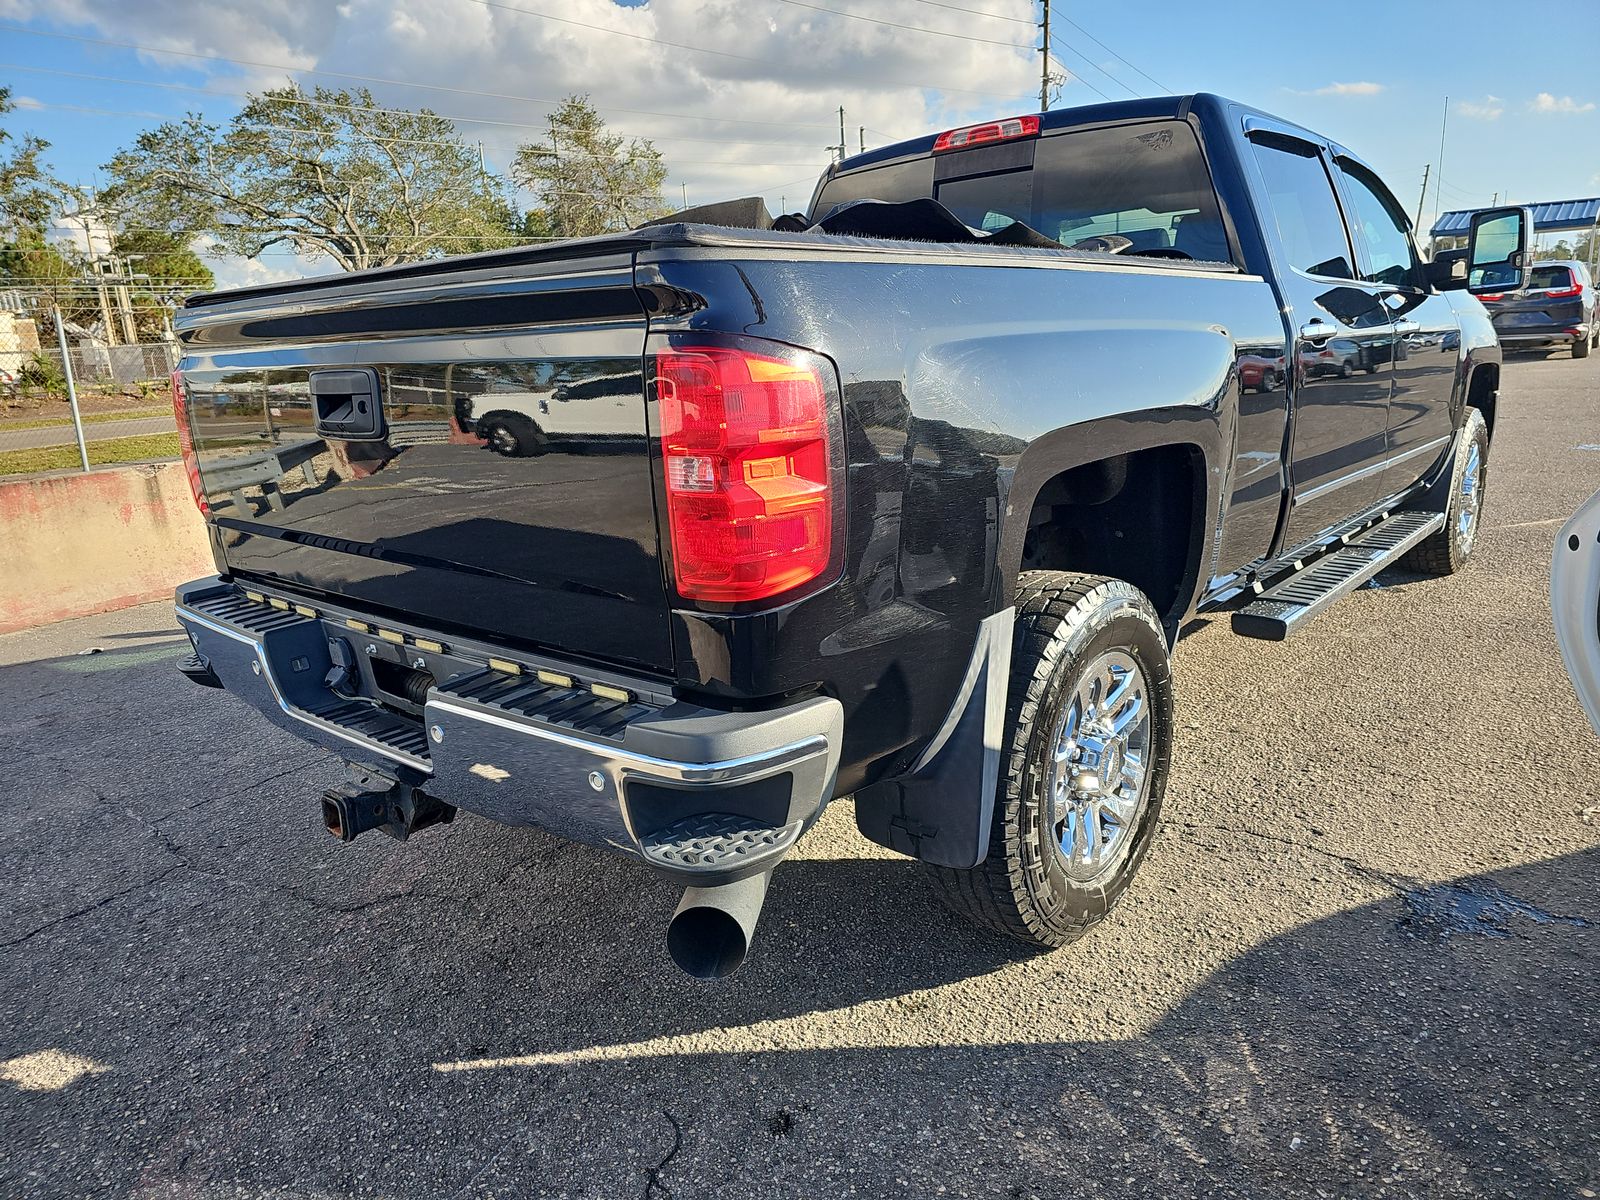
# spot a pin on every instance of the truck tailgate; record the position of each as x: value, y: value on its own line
x: 507, y: 492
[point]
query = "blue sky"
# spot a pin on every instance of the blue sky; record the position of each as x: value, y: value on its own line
x: 755, y: 113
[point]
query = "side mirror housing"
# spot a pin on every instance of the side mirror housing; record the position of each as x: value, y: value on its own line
x: 1497, y: 250
x: 1448, y: 270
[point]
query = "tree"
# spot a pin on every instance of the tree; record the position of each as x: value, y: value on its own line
x: 589, y: 181
x: 329, y: 173
x: 27, y: 192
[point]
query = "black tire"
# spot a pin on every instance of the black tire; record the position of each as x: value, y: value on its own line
x: 1065, y: 623
x: 1447, y: 551
x: 1346, y: 370
x: 512, y: 435
x: 1580, y: 348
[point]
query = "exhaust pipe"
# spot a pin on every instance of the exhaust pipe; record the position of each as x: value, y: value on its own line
x: 710, y: 933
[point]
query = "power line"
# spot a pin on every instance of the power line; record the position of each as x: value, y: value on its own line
x: 979, y: 13
x: 1074, y: 77
x: 769, y: 62
x: 1068, y: 46
x: 379, y: 139
x: 1159, y: 85
x: 409, y: 83
x: 912, y: 28
x: 404, y: 112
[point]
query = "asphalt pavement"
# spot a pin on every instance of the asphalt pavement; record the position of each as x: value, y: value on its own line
x: 1361, y: 960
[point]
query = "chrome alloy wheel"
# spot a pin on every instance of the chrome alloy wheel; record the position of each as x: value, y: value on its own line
x: 1100, y: 776
x: 1470, y: 500
x: 503, y: 441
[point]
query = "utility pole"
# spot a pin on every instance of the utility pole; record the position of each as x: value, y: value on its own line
x: 1417, y: 224
x: 843, y: 149
x: 96, y: 264
x: 122, y: 267
x: 863, y: 134
x: 685, y: 188
x: 1444, y: 122
x: 1044, y: 60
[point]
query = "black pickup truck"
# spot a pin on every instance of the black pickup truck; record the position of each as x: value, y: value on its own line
x: 663, y: 540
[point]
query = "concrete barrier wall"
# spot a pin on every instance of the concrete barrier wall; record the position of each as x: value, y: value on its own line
x: 76, y: 544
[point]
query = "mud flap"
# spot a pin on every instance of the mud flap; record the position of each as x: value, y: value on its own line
x: 941, y: 810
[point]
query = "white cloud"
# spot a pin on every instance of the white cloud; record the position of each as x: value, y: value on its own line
x: 737, y: 125
x: 1564, y: 106
x: 753, y: 117
x: 1487, y: 109
x: 251, y: 272
x: 1360, y: 88
x: 26, y: 102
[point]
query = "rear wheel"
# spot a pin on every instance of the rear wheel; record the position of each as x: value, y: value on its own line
x: 1580, y: 348
x: 512, y: 435
x: 1447, y: 551
x: 1088, y: 739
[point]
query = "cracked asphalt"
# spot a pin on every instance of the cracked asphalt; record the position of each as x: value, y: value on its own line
x: 1361, y: 960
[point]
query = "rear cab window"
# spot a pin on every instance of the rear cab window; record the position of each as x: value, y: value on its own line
x: 1148, y: 182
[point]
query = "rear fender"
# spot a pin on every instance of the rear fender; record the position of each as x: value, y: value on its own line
x: 941, y: 809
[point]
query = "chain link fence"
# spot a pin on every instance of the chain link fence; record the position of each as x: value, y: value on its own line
x: 92, y: 404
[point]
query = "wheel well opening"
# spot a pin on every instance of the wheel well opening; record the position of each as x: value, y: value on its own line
x: 1483, y: 393
x: 1131, y: 517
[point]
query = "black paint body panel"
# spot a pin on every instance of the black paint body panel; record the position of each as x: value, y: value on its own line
x: 518, y: 493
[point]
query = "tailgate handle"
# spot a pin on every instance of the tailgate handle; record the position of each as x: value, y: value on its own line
x: 347, y: 405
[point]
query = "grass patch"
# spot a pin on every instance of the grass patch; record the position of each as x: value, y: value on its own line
x: 113, y: 450
x: 97, y: 418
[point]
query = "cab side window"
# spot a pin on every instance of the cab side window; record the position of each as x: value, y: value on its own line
x: 1310, y: 225
x: 1383, y: 228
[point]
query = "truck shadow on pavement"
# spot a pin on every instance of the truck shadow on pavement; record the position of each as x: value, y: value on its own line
x: 200, y: 993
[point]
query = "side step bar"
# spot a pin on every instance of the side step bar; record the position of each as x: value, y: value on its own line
x: 1290, y: 605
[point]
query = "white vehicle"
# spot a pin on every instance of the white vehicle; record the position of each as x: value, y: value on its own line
x: 1575, y: 602
x: 520, y: 423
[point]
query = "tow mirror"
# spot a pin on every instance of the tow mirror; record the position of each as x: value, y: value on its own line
x: 1448, y: 270
x: 1497, y: 250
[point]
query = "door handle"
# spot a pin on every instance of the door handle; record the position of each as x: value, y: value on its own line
x: 1317, y: 331
x: 1405, y: 326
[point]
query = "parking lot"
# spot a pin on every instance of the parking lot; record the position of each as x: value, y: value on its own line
x: 1361, y: 959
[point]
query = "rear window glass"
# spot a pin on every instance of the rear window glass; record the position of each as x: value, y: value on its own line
x: 1146, y: 182
x: 1550, y: 277
x: 897, y: 182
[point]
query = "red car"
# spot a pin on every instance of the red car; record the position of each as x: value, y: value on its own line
x: 1258, y: 374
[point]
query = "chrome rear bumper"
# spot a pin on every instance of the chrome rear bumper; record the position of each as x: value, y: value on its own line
x: 701, y: 794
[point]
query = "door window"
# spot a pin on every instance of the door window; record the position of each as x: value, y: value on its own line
x: 1383, y: 228
x: 1300, y: 195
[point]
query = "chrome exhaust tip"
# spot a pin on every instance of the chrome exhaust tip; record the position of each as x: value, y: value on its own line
x: 710, y: 934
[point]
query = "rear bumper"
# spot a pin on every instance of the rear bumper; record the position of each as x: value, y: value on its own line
x: 1554, y: 334
x: 702, y: 795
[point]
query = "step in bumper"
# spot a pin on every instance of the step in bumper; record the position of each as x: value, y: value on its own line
x: 702, y: 795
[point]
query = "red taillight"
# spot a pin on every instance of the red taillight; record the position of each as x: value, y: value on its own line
x: 191, y: 462
x: 1565, y: 293
x: 747, y: 446
x: 1492, y: 296
x: 991, y: 131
